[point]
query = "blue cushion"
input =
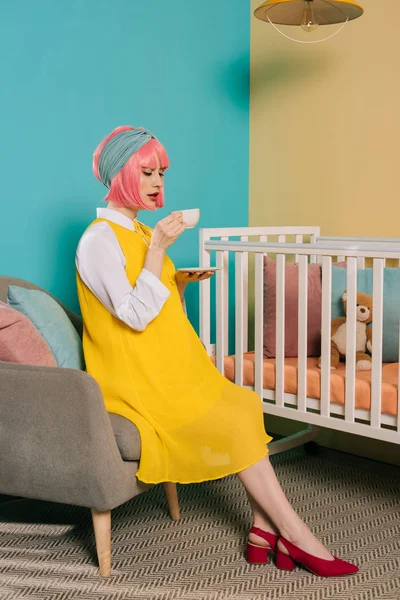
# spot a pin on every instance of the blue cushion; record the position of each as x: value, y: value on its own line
x: 52, y: 322
x: 391, y: 304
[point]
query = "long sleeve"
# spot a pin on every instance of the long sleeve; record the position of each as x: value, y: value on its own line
x: 101, y: 266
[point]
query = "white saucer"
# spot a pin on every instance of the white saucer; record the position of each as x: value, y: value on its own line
x: 199, y: 269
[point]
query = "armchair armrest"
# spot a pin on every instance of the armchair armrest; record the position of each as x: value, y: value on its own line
x: 56, y: 440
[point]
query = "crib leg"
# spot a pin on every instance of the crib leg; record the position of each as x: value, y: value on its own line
x: 293, y: 441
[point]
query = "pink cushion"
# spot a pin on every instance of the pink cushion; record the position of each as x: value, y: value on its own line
x: 20, y: 341
x: 291, y: 309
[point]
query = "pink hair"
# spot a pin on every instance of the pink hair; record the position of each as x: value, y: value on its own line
x: 124, y: 188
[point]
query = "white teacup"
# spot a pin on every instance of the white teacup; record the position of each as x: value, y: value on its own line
x: 191, y: 217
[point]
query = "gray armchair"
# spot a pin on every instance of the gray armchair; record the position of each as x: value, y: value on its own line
x: 58, y: 443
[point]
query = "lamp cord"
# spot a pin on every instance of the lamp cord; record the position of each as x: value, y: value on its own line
x: 302, y: 41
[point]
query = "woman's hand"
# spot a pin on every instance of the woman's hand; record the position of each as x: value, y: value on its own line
x: 167, y: 231
x: 186, y: 276
x: 182, y: 278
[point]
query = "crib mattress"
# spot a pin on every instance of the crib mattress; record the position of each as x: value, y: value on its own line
x: 363, y: 381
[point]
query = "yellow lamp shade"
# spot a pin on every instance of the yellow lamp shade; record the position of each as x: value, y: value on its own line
x: 326, y: 12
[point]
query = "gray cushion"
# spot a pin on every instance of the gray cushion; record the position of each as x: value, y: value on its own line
x: 127, y: 437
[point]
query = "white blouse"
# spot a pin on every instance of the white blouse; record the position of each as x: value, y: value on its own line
x: 101, y: 266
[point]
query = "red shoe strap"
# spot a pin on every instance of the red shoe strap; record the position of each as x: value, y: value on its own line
x: 271, y: 538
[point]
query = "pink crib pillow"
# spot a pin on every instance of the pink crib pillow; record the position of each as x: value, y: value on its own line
x: 20, y: 341
x: 291, y: 309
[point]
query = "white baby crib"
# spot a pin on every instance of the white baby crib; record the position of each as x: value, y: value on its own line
x: 305, y: 246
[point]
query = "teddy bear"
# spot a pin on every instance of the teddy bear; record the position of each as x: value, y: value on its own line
x: 363, y: 334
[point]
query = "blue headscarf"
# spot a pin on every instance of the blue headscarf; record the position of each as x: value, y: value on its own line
x: 118, y: 151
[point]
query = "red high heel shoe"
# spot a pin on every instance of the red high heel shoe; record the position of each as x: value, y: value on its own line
x: 258, y: 555
x: 318, y: 566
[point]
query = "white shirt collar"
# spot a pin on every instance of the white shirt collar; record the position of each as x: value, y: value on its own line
x: 115, y: 217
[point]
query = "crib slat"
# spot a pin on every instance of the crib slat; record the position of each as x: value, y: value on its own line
x: 205, y: 296
x: 259, y: 325
x: 299, y: 240
x: 281, y: 238
x: 361, y: 262
x: 313, y: 240
x: 341, y: 258
x: 226, y: 292
x: 239, y: 288
x: 220, y: 313
x: 245, y: 238
x: 351, y: 339
x: 302, y: 334
x: 377, y: 333
x: 326, y: 336
x: 280, y: 331
x: 263, y: 238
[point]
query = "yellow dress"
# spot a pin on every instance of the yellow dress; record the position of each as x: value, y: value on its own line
x: 194, y: 424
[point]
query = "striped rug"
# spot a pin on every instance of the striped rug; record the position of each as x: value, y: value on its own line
x: 352, y: 505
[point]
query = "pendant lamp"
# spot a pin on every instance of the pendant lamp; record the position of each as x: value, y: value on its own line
x: 308, y: 14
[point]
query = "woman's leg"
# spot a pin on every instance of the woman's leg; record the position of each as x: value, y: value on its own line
x: 263, y: 488
x: 260, y: 520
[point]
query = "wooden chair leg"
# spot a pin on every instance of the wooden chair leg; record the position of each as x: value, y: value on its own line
x: 102, y: 533
x: 172, y: 499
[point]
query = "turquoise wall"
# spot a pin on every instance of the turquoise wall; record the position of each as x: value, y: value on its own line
x: 71, y: 72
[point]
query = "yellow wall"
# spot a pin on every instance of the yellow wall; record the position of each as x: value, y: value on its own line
x: 325, y: 126
x: 325, y: 140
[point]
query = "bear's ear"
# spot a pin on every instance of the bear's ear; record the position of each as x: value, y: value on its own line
x: 344, y: 296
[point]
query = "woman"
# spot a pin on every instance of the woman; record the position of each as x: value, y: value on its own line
x: 152, y: 368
